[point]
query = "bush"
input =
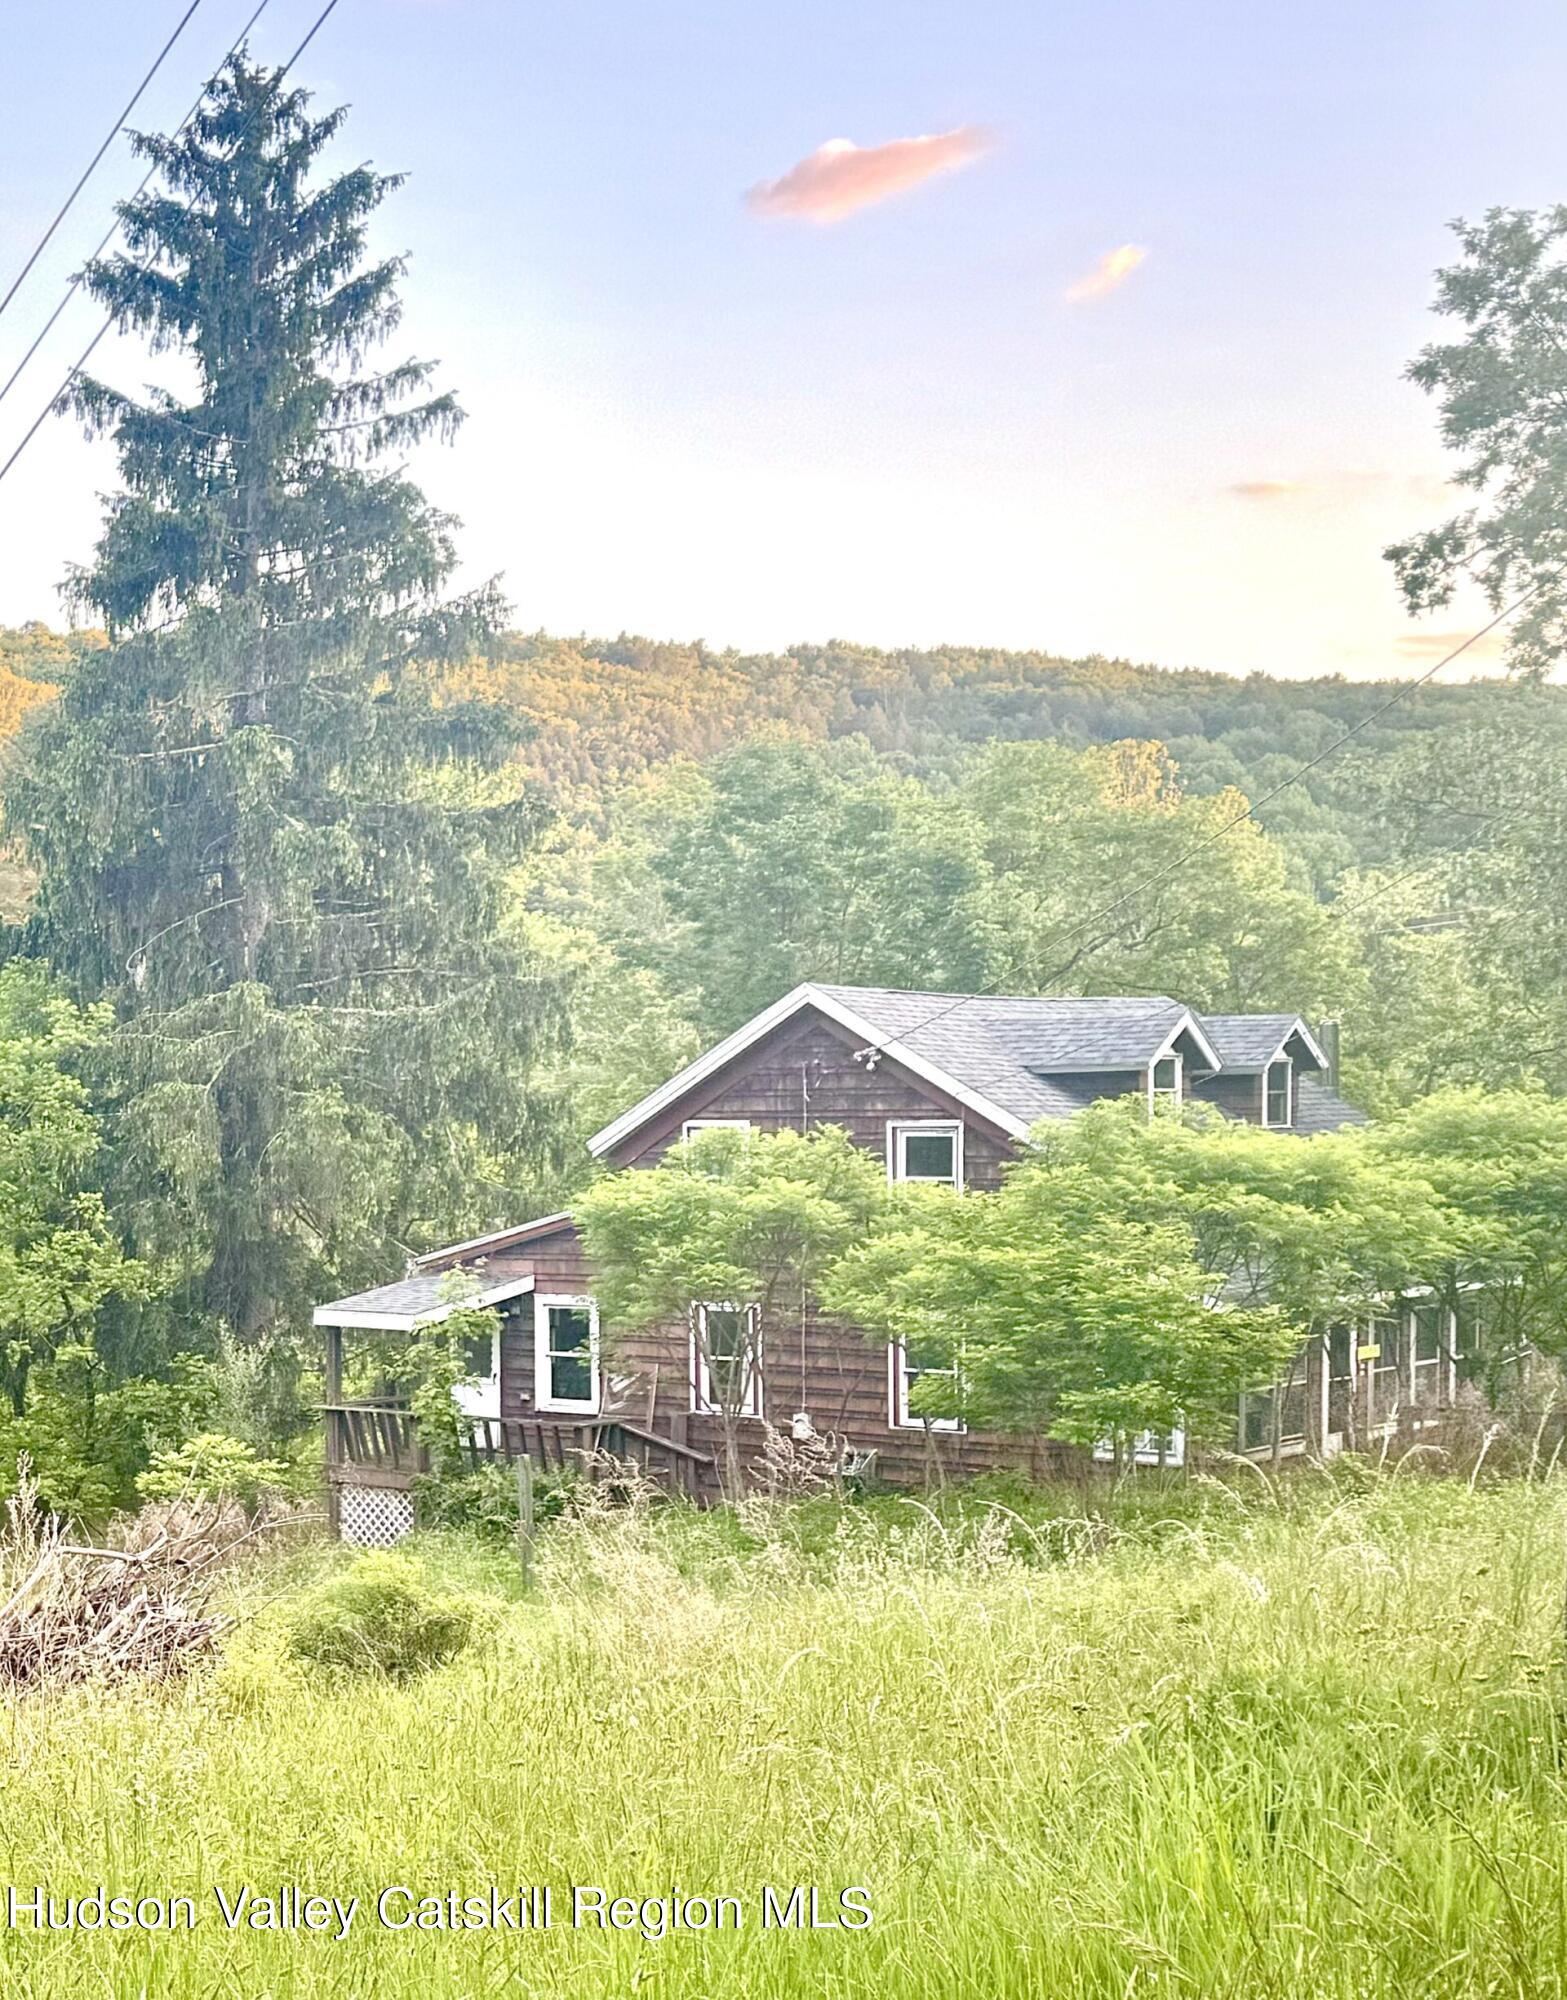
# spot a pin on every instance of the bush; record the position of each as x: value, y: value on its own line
x: 380, y: 1616
x: 211, y: 1466
x: 485, y: 1499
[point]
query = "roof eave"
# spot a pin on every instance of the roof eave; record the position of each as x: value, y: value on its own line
x: 805, y: 995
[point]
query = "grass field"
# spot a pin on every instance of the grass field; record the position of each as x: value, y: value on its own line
x: 1240, y: 1741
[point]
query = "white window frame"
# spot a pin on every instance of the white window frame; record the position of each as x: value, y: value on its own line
x: 543, y: 1399
x: 899, y: 1416
x: 703, y: 1401
x: 691, y: 1126
x: 1289, y: 1093
x: 1179, y: 1092
x: 1145, y: 1449
x: 901, y: 1130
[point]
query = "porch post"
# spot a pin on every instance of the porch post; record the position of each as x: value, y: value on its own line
x: 332, y: 1383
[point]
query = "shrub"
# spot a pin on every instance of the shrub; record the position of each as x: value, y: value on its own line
x: 210, y: 1466
x: 381, y: 1615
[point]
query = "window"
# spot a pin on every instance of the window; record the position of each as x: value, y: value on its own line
x: 1427, y: 1355
x: 480, y: 1394
x: 909, y: 1363
x: 1282, y: 1406
x: 1166, y: 1448
x: 1341, y: 1379
x: 1278, y: 1092
x: 480, y: 1355
x: 1386, y: 1337
x: 930, y: 1151
x: 692, y: 1126
x: 1164, y: 1082
x: 566, y: 1354
x: 726, y: 1360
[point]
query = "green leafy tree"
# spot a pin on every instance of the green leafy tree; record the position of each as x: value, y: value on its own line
x: 1064, y: 835
x: 1502, y: 390
x: 263, y: 834
x: 816, y: 864
x: 753, y: 1220
x: 1498, y: 1161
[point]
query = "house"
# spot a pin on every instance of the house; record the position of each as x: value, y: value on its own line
x: 941, y: 1087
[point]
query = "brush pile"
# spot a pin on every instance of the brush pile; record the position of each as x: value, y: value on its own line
x: 141, y: 1605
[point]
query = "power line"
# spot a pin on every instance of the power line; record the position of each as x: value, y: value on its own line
x: 146, y: 265
x: 109, y: 234
x: 87, y: 173
x: 1199, y: 847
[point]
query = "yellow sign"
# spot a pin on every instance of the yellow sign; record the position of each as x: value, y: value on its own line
x: 1368, y: 1353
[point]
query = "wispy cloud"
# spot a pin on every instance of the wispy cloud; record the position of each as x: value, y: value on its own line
x: 1113, y: 268
x: 841, y: 177
x: 1265, y: 489
x: 1346, y: 482
x: 1424, y: 647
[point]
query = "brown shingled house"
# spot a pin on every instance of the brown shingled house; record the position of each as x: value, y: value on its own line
x: 939, y: 1086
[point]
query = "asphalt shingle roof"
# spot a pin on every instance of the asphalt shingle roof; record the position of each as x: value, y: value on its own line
x: 1248, y: 1041
x: 1043, y: 1058
x: 1019, y: 1052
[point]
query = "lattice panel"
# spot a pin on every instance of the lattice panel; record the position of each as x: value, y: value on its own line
x: 374, y: 1517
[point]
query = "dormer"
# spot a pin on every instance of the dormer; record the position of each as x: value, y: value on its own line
x: 1262, y: 1058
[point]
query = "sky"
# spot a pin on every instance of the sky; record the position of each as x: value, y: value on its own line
x: 1066, y: 324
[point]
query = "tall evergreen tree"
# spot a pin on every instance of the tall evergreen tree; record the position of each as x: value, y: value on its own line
x: 261, y: 830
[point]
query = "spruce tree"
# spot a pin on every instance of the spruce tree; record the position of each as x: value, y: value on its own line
x: 261, y: 829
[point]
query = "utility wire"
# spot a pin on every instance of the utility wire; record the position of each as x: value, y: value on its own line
x: 87, y: 173
x: 146, y: 265
x: 1228, y: 826
x: 109, y: 234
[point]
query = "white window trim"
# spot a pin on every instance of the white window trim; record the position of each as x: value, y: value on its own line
x: 691, y: 1126
x: 703, y: 1401
x: 899, y: 1415
x: 1145, y: 1449
x: 1289, y: 1093
x: 542, y: 1399
x: 1167, y: 1055
x: 900, y: 1130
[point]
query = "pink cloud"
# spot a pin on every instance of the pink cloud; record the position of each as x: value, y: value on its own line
x: 1113, y: 268
x: 841, y: 177
x: 1265, y: 489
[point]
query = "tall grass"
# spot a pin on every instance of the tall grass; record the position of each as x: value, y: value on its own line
x: 1246, y: 1740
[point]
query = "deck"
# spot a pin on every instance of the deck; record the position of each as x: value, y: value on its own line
x: 376, y: 1444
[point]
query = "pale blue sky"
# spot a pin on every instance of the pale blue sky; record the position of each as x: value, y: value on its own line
x: 690, y: 420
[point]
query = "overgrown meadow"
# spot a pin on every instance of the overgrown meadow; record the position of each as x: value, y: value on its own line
x: 1240, y: 1738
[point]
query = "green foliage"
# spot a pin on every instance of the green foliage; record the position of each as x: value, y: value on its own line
x: 210, y: 1466
x: 1503, y: 395
x: 380, y: 1616
x: 264, y: 834
x: 728, y: 1215
x: 815, y: 864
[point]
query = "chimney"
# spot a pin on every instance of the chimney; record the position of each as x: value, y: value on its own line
x: 1328, y: 1036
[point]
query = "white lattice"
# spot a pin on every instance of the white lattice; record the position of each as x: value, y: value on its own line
x: 373, y: 1517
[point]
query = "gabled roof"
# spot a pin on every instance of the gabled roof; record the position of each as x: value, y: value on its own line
x: 1249, y: 1042
x: 1008, y: 1059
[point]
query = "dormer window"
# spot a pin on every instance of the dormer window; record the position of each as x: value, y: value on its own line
x: 1278, y: 1092
x: 1164, y: 1082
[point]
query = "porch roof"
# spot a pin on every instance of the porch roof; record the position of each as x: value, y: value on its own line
x: 424, y: 1298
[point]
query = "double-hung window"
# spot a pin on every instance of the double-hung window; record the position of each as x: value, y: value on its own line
x: 566, y: 1353
x: 1278, y: 1092
x: 726, y: 1360
x: 909, y: 1363
x: 926, y: 1149
x: 1164, y: 1082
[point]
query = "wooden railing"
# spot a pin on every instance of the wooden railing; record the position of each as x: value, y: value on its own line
x: 379, y: 1436
x: 379, y: 1441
